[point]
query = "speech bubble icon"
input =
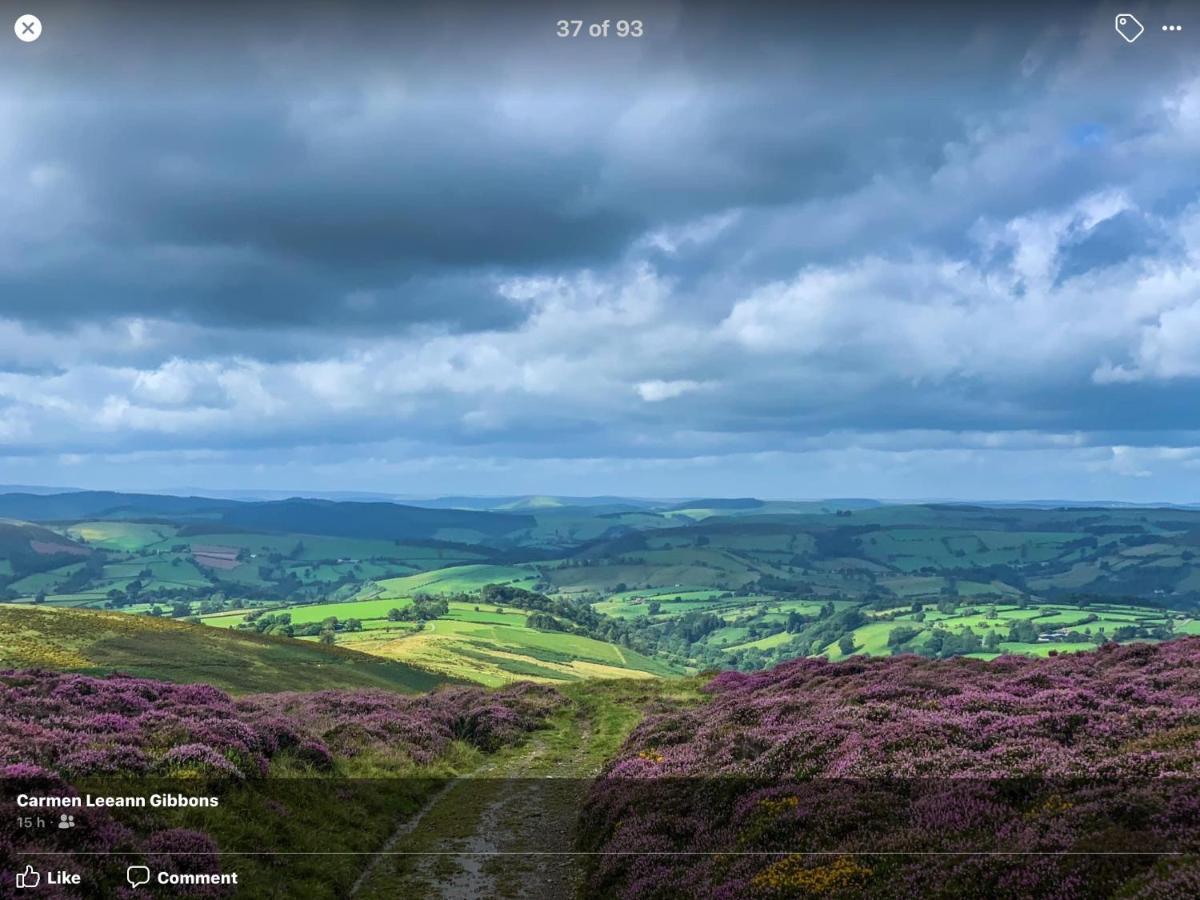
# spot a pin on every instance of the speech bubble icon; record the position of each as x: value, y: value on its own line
x: 137, y: 875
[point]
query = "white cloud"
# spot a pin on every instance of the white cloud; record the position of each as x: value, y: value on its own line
x: 1167, y: 348
x: 656, y: 391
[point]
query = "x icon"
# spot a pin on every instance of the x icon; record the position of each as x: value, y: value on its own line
x: 27, y: 28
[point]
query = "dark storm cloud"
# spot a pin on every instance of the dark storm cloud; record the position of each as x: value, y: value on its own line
x: 763, y: 235
x: 279, y: 173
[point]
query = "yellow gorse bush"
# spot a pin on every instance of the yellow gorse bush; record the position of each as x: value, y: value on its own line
x: 792, y: 876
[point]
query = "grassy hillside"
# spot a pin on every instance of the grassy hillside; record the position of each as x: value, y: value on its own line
x: 495, y: 654
x: 239, y: 662
x: 457, y: 579
x: 471, y: 641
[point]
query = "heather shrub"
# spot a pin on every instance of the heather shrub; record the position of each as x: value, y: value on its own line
x: 314, y: 753
x: 80, y: 725
x: 119, y: 725
x: 419, y: 727
x: 57, y: 730
x: 196, y: 760
x: 840, y: 779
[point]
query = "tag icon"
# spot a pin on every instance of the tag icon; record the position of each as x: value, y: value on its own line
x: 1129, y: 27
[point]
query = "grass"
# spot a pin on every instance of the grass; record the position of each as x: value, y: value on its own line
x: 99, y: 642
x: 126, y: 536
x: 304, y: 614
x: 871, y: 639
x: 456, y: 580
x: 508, y: 831
x: 468, y: 643
x: 495, y: 654
x: 44, y: 581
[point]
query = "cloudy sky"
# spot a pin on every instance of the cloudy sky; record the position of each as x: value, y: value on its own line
x: 823, y: 253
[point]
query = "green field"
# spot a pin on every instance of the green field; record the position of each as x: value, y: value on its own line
x: 472, y: 642
x: 1100, y: 619
x: 126, y: 536
x: 495, y: 654
x: 459, y: 579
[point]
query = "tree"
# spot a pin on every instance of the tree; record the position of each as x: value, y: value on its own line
x: 1023, y: 631
x: 991, y: 643
x: 846, y: 644
x: 428, y: 608
x: 902, y: 634
x: 543, y: 622
x: 327, y: 638
x: 393, y: 615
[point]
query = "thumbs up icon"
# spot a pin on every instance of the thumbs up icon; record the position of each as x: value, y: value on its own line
x: 29, y: 878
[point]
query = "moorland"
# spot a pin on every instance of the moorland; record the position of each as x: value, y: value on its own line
x: 545, y: 697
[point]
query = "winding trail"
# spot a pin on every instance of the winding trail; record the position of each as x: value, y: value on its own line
x: 508, y: 829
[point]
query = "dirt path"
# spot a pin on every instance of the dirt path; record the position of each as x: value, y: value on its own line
x: 507, y: 830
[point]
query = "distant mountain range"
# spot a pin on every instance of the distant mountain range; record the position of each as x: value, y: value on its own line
x: 389, y: 521
x: 196, y: 498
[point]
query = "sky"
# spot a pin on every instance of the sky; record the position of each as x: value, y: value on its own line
x: 768, y: 251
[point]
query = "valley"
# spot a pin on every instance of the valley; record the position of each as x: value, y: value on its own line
x: 557, y: 590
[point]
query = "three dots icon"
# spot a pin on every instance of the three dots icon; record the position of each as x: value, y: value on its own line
x: 1130, y: 29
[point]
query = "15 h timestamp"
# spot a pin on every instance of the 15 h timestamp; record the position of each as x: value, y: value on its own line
x: 622, y: 28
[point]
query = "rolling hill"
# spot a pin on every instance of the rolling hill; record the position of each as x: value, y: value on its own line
x: 670, y: 586
x: 388, y: 521
x: 96, y: 642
